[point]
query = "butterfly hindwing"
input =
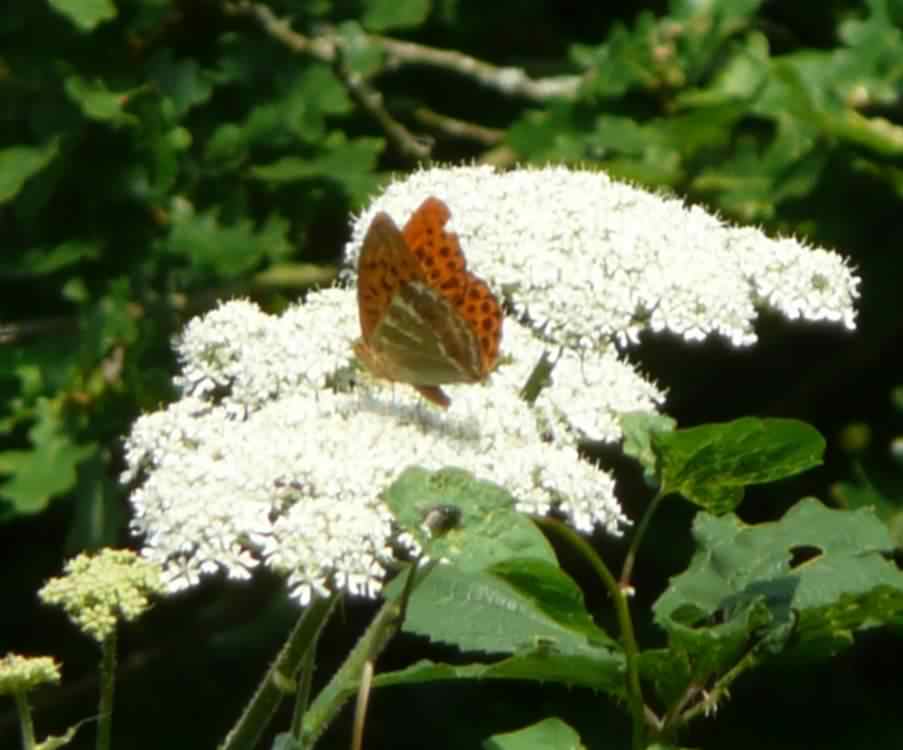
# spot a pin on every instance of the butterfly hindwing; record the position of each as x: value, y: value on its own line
x: 425, y: 341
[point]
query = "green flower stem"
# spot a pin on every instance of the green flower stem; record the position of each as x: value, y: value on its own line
x: 304, y: 688
x: 719, y: 691
x: 26, y: 723
x: 360, y: 708
x: 539, y: 378
x: 343, y: 685
x: 279, y: 679
x: 107, y: 691
x: 627, y: 570
x: 633, y: 686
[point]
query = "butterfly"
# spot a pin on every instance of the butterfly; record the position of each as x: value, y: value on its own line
x: 425, y: 319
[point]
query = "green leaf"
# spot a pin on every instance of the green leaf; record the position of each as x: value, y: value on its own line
x: 488, y: 531
x: 97, y: 102
x: 306, y: 104
x: 712, y: 464
x: 475, y: 612
x: 359, y: 54
x: 286, y: 741
x: 549, y: 734
x: 19, y: 163
x: 46, y: 471
x: 553, y: 594
x: 297, y: 114
x: 45, y: 261
x: 86, y: 14
x: 544, y: 624
x: 349, y: 163
x: 623, y: 62
x: 551, y: 133
x: 500, y: 589
x: 638, y: 428
x: 108, y: 322
x: 739, y: 77
x: 382, y: 15
x: 323, y: 94
x: 670, y: 672
x: 594, y: 668
x: 701, y: 649
x: 44, y: 365
x: 818, y: 575
x: 864, y: 494
x: 182, y: 82
x: 330, y: 164
x: 226, y: 251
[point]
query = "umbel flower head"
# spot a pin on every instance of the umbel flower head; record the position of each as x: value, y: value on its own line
x: 277, y: 450
x: 98, y: 591
x: 22, y: 674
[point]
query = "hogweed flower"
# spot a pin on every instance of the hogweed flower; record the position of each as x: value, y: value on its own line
x: 22, y: 674
x: 97, y: 591
x: 278, y: 448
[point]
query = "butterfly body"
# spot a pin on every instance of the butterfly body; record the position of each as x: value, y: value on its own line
x: 425, y: 319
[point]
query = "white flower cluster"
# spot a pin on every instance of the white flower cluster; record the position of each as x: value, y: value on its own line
x: 259, y: 466
x: 277, y: 451
x: 257, y: 358
x: 586, y: 260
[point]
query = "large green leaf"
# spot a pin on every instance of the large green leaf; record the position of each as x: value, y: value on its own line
x: 499, y: 589
x: 488, y: 613
x: 807, y: 582
x: 711, y: 465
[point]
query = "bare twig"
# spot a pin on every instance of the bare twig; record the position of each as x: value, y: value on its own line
x: 458, y: 128
x: 320, y: 47
x: 508, y: 80
x: 328, y: 48
x: 371, y: 101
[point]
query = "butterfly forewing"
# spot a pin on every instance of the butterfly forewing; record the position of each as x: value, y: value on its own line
x: 385, y: 264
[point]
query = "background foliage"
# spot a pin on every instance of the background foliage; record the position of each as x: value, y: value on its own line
x: 156, y: 156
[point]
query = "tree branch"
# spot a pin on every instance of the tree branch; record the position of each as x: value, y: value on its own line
x: 456, y: 128
x: 507, y: 80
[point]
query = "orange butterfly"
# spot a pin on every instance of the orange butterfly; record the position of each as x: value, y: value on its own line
x: 425, y: 319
